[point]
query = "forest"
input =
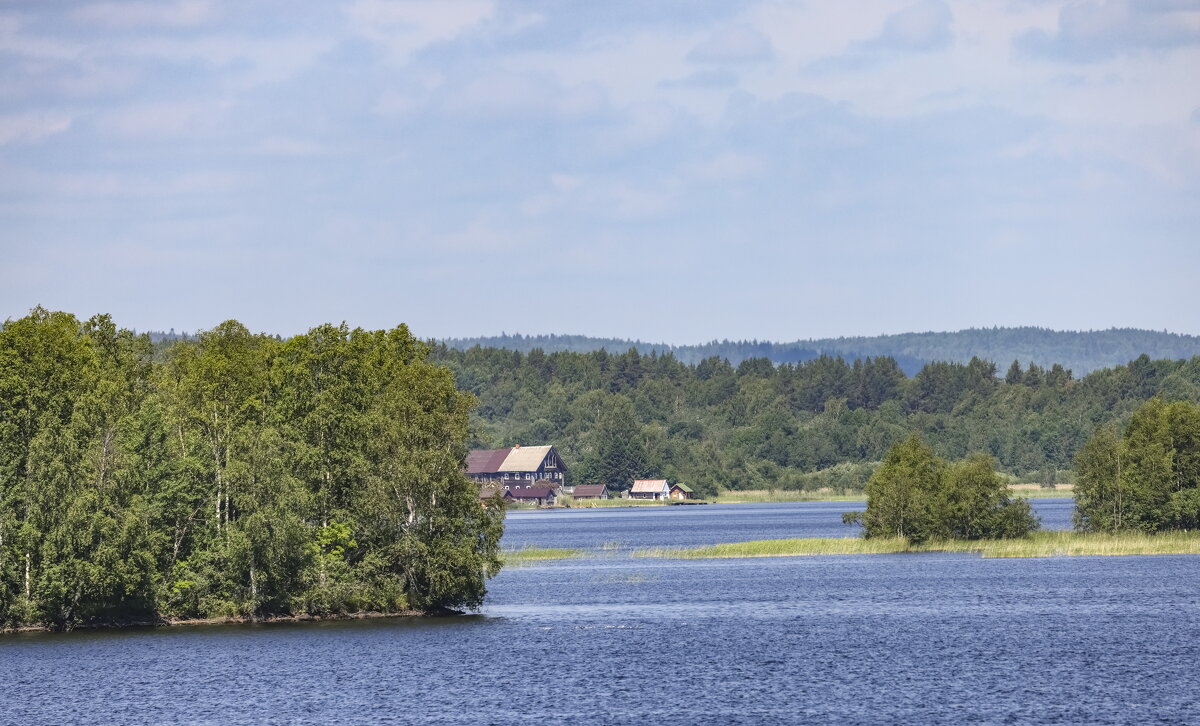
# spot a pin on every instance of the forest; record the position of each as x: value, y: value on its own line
x: 819, y: 423
x: 1080, y: 351
x: 231, y: 475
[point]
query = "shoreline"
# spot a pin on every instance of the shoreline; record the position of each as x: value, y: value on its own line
x: 237, y: 620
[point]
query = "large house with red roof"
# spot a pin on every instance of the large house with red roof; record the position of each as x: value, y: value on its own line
x: 518, y: 464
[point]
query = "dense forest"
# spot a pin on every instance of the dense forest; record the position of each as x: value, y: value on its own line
x: 819, y: 423
x: 231, y: 475
x: 1080, y: 351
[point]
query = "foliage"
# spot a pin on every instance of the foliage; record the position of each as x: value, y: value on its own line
x: 818, y: 424
x: 917, y: 496
x: 1147, y: 477
x: 240, y: 475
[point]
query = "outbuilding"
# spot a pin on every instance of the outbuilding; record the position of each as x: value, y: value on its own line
x: 650, y: 489
x: 591, y: 491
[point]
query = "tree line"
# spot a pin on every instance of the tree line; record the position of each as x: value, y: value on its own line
x: 1081, y: 351
x: 818, y: 423
x: 231, y: 474
x: 1142, y: 477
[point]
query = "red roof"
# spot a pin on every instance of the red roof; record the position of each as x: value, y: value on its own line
x: 486, y: 461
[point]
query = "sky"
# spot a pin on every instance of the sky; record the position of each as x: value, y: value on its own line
x: 670, y: 171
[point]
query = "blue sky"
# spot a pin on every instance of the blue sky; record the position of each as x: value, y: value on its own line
x: 675, y: 171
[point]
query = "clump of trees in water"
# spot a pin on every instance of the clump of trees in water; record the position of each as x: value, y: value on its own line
x: 1146, y: 477
x: 231, y: 475
x: 919, y: 496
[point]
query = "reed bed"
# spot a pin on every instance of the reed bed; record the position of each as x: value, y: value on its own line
x: 537, y: 554
x: 1038, y: 544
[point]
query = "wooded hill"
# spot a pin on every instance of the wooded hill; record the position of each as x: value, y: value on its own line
x: 1079, y: 351
x: 818, y: 423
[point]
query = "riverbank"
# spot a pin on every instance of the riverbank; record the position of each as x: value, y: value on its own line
x: 260, y: 620
x: 1038, y: 544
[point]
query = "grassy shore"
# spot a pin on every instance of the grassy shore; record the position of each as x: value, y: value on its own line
x: 537, y: 554
x: 1038, y: 544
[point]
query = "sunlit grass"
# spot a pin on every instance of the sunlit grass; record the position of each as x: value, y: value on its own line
x: 1038, y: 544
x: 601, y: 503
x: 537, y: 554
x: 1030, y: 491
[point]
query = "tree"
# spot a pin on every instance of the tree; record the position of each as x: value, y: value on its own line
x: 919, y: 496
x: 620, y: 453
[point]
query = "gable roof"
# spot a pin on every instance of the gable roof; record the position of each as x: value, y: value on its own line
x: 524, y: 458
x: 486, y: 461
x: 682, y: 487
x: 589, y: 490
x: 648, y: 486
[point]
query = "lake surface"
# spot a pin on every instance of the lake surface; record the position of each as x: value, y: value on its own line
x: 929, y: 638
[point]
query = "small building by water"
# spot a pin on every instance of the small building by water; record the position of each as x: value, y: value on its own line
x: 650, y: 489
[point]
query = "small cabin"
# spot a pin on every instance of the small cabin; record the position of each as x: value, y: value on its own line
x: 680, y: 491
x: 535, y: 494
x: 591, y: 491
x: 650, y: 489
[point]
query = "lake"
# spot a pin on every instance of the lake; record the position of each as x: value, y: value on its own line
x: 928, y: 638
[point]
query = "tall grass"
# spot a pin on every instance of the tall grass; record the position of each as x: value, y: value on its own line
x: 1038, y: 544
x: 537, y: 554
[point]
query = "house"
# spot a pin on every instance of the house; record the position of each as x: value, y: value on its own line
x: 650, y: 489
x: 524, y: 464
x: 680, y: 491
x: 536, y: 494
x: 591, y: 491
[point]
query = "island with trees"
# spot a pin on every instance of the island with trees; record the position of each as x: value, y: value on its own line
x: 232, y: 475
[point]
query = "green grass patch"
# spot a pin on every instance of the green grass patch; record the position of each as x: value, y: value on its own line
x: 537, y: 554
x: 603, y: 503
x: 1038, y: 544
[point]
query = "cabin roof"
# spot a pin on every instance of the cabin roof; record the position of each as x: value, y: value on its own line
x: 682, y: 487
x: 589, y: 490
x: 486, y: 461
x: 648, y: 486
x: 524, y: 458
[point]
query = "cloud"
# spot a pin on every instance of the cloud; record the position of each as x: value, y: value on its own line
x: 1094, y: 31
x: 917, y: 28
x: 738, y: 44
x: 180, y: 14
x: 29, y: 127
x: 708, y: 78
x: 404, y: 27
x: 923, y: 27
x: 520, y: 95
x: 726, y: 166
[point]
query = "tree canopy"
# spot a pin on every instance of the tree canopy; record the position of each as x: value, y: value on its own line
x: 238, y: 476
x: 1147, y: 477
x: 919, y: 496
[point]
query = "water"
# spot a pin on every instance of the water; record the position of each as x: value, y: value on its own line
x: 690, y: 526
x: 924, y: 638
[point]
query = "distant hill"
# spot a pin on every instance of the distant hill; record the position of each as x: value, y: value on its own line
x: 1079, y: 351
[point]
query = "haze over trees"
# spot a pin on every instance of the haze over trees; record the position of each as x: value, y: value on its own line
x: 818, y: 423
x: 1080, y: 351
x: 239, y: 476
x: 1147, y: 476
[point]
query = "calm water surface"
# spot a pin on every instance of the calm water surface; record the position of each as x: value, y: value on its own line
x: 607, y: 638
